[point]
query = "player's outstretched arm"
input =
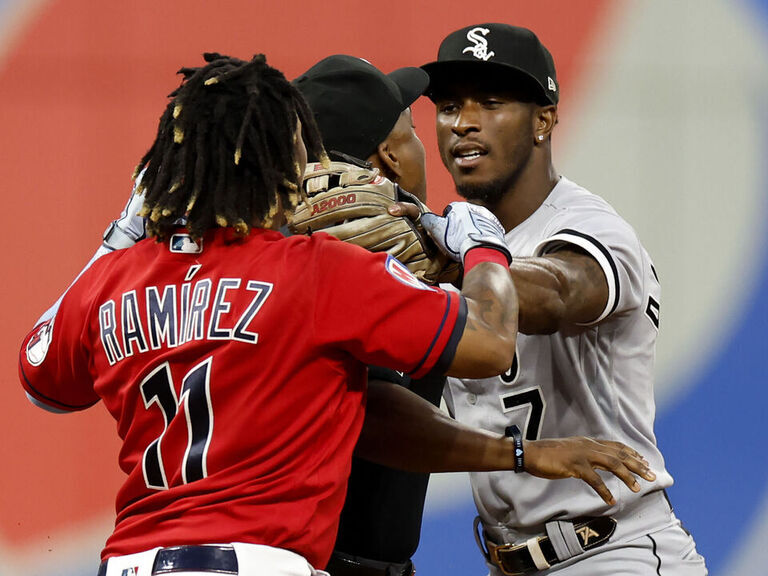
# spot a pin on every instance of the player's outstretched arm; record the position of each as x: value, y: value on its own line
x: 472, y: 235
x: 565, y: 287
x: 580, y: 457
x: 402, y: 430
x: 487, y: 345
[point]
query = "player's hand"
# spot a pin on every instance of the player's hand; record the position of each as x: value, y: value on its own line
x: 462, y: 227
x: 129, y: 228
x: 405, y: 209
x: 580, y: 457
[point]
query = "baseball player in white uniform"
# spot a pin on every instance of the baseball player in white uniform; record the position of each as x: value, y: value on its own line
x: 589, y: 317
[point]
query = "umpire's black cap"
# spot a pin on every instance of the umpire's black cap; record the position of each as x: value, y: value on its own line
x: 355, y: 104
x: 499, y: 48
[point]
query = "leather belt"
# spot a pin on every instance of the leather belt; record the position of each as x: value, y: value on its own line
x: 543, y: 552
x: 342, y: 564
x: 216, y: 559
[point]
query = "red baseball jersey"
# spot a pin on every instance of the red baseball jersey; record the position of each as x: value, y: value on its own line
x: 236, y: 371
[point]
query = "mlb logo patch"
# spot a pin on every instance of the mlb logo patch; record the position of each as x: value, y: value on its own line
x: 130, y: 571
x: 184, y: 244
x: 401, y: 273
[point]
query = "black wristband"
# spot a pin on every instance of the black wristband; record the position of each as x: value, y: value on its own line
x: 517, y: 436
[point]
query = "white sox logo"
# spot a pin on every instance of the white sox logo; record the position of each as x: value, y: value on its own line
x: 480, y: 48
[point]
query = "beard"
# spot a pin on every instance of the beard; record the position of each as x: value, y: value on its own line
x: 490, y: 192
x: 485, y: 193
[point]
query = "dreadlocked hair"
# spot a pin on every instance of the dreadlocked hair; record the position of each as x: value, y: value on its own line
x: 224, y: 154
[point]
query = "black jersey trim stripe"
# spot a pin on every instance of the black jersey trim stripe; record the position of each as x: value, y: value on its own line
x: 446, y: 356
x: 42, y: 398
x: 658, y: 558
x: 604, y: 251
x: 439, y: 330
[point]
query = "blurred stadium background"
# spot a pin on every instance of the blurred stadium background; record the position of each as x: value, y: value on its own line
x: 664, y: 112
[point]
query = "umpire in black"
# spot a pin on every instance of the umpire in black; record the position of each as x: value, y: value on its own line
x: 364, y: 116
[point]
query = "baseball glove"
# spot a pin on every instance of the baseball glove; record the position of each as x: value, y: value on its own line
x: 350, y: 203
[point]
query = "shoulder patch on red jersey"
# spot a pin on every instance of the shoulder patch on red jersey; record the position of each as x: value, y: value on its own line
x: 37, y: 346
x: 400, y: 272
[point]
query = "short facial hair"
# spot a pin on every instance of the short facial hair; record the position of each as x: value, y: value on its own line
x: 490, y: 193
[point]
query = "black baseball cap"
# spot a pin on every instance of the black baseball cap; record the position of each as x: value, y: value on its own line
x: 355, y: 104
x: 501, y: 48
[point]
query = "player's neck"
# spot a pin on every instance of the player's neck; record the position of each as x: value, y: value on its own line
x: 526, y: 195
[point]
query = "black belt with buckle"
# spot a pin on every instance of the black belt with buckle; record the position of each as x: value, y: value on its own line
x: 539, y: 553
x: 216, y: 559
x: 342, y: 564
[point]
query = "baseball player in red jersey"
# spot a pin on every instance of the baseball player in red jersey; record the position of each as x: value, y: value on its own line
x: 233, y: 358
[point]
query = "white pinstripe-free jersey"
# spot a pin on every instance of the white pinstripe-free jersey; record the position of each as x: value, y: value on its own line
x: 594, y: 380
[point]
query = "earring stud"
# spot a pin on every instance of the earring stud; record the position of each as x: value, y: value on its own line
x: 541, y: 137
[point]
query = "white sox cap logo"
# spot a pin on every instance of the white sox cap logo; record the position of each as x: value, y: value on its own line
x: 480, y: 48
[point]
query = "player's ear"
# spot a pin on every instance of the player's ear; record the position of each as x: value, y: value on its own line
x: 388, y: 161
x: 544, y: 121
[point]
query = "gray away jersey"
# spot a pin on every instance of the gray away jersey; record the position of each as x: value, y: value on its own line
x: 594, y: 380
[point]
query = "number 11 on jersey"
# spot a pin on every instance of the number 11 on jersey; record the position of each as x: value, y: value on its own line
x: 195, y: 401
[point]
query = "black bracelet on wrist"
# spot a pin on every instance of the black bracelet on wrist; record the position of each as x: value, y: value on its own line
x: 517, y: 436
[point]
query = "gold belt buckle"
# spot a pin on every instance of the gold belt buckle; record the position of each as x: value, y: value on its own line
x: 494, y: 550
